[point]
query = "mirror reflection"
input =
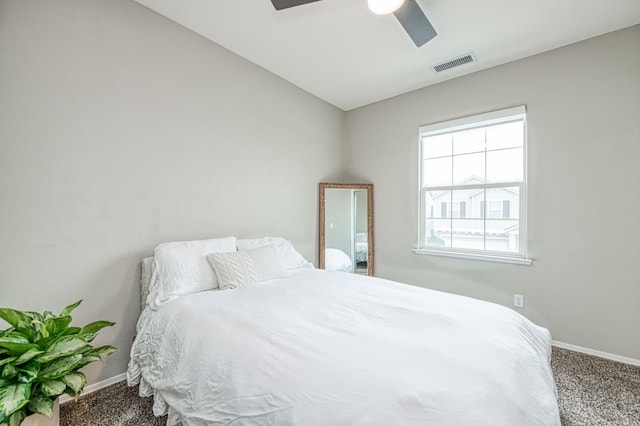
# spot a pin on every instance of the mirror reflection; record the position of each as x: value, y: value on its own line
x: 346, y: 224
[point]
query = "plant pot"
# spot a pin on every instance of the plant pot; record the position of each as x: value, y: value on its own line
x: 40, y: 420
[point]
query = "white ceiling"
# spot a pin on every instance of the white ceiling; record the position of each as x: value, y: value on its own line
x: 346, y: 55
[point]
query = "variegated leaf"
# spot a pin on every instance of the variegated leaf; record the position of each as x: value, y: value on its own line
x: 65, y: 345
x: 28, y: 356
x: 7, y: 360
x: 9, y: 371
x: 66, y: 311
x: 28, y: 372
x: 75, y: 381
x: 60, y: 367
x: 17, y: 418
x: 13, y: 398
x: 42, y: 405
x: 53, y: 387
x: 16, y: 345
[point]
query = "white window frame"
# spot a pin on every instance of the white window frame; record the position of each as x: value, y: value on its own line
x: 466, y: 123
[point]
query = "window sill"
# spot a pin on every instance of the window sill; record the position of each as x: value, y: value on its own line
x: 473, y: 256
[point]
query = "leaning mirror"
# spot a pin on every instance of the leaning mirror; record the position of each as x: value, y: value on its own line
x: 346, y: 227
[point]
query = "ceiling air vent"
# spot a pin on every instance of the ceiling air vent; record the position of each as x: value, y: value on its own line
x: 455, y: 62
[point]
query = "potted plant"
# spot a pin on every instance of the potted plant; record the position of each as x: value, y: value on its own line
x: 40, y: 355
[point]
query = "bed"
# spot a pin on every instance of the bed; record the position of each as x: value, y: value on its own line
x: 314, y: 347
x: 337, y: 260
x: 362, y: 247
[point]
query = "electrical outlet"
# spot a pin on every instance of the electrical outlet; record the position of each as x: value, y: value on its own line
x: 518, y: 301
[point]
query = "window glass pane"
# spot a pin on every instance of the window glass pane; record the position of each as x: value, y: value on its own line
x: 503, y: 203
x: 436, y: 172
x: 437, y: 233
x: 436, y: 146
x: 468, y: 169
x: 508, y: 135
x: 468, y: 141
x: 503, y: 235
x: 505, y: 165
x: 467, y: 233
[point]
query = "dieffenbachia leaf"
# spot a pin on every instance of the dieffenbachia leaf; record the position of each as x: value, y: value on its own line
x: 7, y: 360
x: 9, y: 371
x: 28, y: 356
x: 66, y: 311
x: 27, y: 373
x: 90, y: 331
x: 96, y: 354
x: 53, y: 387
x: 75, y: 382
x: 60, y: 367
x: 63, y: 346
x: 57, y: 325
x: 13, y: 398
x: 17, y: 319
x: 16, y: 345
x: 42, y: 405
x: 17, y: 418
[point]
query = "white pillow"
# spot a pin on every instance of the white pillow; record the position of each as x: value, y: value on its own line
x: 283, y: 248
x: 245, y: 267
x: 181, y: 268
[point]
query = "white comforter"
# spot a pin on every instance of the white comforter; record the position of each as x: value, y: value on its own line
x: 328, y: 348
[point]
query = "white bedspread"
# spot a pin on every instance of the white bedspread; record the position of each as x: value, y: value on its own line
x: 328, y: 348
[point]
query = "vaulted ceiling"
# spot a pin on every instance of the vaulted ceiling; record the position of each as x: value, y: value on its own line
x: 341, y: 52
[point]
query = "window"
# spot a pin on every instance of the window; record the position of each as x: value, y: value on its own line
x: 472, y: 187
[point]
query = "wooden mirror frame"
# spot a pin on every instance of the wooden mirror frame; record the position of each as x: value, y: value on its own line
x: 369, y: 187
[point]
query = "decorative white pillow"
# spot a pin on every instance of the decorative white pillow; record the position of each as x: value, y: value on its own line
x: 289, y: 256
x: 181, y: 268
x: 245, y: 267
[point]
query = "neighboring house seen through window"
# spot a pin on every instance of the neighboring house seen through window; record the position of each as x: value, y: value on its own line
x: 472, y: 186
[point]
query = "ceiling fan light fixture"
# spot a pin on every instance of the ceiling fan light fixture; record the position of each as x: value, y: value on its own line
x: 384, y: 7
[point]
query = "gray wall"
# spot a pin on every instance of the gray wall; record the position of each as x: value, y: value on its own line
x: 120, y: 130
x: 584, y: 146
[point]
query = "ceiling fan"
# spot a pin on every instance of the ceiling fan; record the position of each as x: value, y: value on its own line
x: 408, y: 12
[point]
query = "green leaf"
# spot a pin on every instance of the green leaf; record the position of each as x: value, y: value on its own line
x: 71, y: 330
x: 42, y: 405
x: 16, y: 345
x: 17, y: 418
x: 13, y: 398
x: 28, y: 356
x: 17, y: 319
x: 53, y: 387
x: 60, y: 367
x: 7, y: 360
x: 91, y: 330
x: 75, y: 382
x: 28, y: 372
x: 66, y: 311
x: 96, y: 354
x: 63, y: 346
x: 56, y: 326
x: 9, y: 371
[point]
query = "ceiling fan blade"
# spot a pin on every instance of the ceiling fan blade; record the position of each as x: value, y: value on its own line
x: 415, y: 22
x: 285, y: 4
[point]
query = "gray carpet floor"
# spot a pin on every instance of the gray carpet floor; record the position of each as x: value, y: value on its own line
x: 591, y: 392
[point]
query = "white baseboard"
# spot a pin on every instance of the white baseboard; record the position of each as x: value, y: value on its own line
x: 599, y: 354
x: 96, y: 386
